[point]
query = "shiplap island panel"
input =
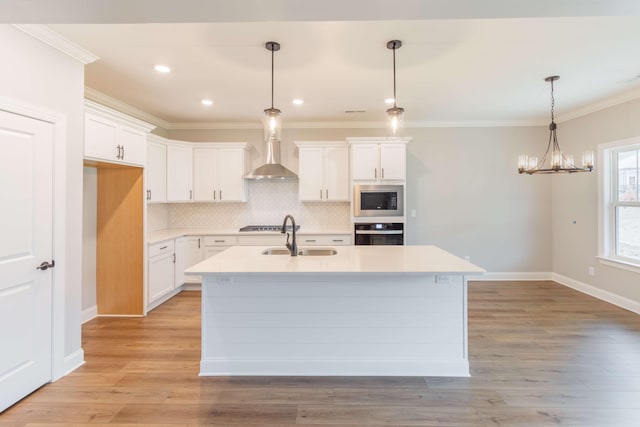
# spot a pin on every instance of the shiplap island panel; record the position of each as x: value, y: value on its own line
x: 368, y: 310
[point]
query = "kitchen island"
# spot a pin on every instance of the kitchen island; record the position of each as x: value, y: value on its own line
x: 367, y: 310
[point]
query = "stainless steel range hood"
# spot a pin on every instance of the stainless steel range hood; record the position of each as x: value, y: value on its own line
x: 272, y: 169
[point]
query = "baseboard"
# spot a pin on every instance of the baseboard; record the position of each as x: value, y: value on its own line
x: 192, y: 287
x: 89, y: 314
x: 610, y: 297
x: 405, y: 368
x: 511, y: 276
x: 72, y: 362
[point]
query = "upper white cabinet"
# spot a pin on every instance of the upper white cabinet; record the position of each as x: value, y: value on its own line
x: 179, y: 172
x: 375, y: 160
x: 156, y: 170
x: 113, y: 137
x: 218, y: 172
x: 323, y: 171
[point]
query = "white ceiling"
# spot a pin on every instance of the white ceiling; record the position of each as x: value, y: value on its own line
x: 450, y: 71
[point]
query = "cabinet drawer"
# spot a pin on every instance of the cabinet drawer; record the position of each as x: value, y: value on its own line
x: 266, y: 240
x: 324, y: 239
x: 220, y: 240
x: 161, y: 248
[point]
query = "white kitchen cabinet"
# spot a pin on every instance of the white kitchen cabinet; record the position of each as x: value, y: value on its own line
x: 323, y: 171
x: 113, y: 137
x: 213, y: 245
x: 188, y: 253
x: 179, y: 172
x: 156, y: 170
x: 218, y: 172
x: 161, y: 270
x: 378, y: 161
x: 323, y: 239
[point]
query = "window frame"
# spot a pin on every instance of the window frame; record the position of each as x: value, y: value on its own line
x: 608, y: 203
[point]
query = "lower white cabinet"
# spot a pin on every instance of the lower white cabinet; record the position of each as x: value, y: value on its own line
x: 188, y: 254
x: 215, y: 244
x: 161, y: 270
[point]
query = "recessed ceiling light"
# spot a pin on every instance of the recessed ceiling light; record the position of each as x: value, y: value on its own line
x: 162, y: 68
x: 389, y: 101
x: 207, y: 102
x: 298, y: 102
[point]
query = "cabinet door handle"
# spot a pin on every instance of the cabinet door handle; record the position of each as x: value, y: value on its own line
x: 118, y: 155
x: 214, y: 194
x: 174, y: 258
x: 321, y: 194
x: 190, y: 194
x: 149, y: 194
x: 219, y: 241
x: 198, y: 243
x: 220, y: 195
x: 338, y: 240
x: 375, y: 173
x: 309, y: 240
x: 382, y: 172
x: 164, y: 247
x: 327, y: 192
x: 122, y: 152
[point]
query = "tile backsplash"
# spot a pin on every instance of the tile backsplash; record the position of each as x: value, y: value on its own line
x: 269, y: 202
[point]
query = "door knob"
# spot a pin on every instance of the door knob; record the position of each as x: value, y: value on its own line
x: 45, y: 265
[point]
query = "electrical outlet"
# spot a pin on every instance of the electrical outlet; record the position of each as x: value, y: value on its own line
x: 413, y: 213
x: 592, y: 271
x: 442, y: 279
x: 225, y: 279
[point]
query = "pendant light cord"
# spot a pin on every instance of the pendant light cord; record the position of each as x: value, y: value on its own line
x: 553, y: 102
x: 272, y: 78
x: 394, y: 77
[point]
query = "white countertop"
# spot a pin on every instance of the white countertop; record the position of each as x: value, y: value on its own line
x: 349, y: 259
x: 172, y: 233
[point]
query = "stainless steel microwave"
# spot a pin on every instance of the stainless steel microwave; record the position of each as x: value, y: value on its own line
x: 378, y: 200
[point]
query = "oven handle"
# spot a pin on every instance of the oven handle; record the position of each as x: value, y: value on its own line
x: 379, y: 232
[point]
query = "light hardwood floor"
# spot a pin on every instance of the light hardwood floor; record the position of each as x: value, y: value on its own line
x: 541, y: 354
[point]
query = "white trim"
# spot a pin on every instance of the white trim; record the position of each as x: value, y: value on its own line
x: 511, y: 276
x: 106, y: 100
x: 55, y: 40
x: 89, y: 314
x: 618, y: 263
x: 610, y: 297
x: 117, y: 116
x: 603, y: 104
x: 338, y: 367
x: 192, y: 286
x: 120, y: 315
x: 72, y: 362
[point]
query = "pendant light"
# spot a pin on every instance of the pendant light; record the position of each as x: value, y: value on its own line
x: 395, y: 114
x: 272, y: 121
x: 559, y: 162
x: 271, y: 169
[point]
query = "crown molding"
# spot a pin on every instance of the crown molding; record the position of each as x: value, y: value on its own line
x: 117, y: 116
x: 611, y: 101
x: 55, y: 40
x: 106, y: 100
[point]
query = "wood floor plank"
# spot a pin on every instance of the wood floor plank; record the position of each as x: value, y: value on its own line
x: 540, y: 354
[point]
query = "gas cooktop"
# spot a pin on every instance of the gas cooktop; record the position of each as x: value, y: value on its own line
x: 266, y: 228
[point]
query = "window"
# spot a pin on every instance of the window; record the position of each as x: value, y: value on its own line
x: 619, y: 199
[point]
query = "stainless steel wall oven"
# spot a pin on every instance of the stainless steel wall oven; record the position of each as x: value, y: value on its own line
x: 377, y: 233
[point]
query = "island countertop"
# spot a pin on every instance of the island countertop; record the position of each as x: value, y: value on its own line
x: 349, y: 259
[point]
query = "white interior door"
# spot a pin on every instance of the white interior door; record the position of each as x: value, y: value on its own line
x: 26, y: 241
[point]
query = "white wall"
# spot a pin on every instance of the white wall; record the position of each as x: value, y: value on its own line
x: 575, y: 246
x: 463, y: 183
x: 34, y: 73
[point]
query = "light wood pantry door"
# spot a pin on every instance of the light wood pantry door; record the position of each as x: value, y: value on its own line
x: 25, y: 252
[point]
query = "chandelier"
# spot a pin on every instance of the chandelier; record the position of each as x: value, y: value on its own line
x: 559, y: 162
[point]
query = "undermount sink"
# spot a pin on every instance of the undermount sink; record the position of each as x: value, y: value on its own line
x: 276, y: 251
x: 301, y: 252
x: 317, y: 252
